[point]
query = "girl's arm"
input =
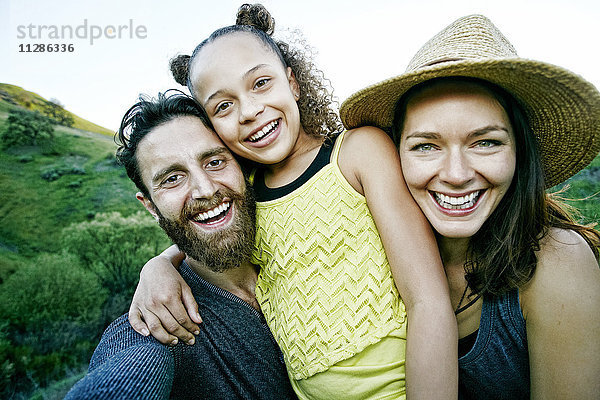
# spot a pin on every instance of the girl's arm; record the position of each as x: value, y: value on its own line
x: 370, y: 162
x: 561, y: 306
x: 162, y: 301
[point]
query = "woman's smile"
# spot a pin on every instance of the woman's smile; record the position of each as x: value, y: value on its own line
x: 458, y: 156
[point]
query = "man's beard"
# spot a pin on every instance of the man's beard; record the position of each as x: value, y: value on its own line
x: 224, y: 249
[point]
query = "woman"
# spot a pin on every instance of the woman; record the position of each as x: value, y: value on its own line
x: 523, y: 278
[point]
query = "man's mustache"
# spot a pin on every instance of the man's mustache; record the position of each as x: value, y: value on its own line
x: 194, y: 207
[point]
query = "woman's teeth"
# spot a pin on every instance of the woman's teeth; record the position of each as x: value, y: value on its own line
x: 264, y: 131
x: 457, y: 203
x: 212, y: 213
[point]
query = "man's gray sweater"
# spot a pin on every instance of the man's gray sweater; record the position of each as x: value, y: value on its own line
x: 235, y: 357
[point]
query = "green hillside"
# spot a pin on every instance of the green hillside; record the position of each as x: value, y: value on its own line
x: 72, y: 241
x: 46, y: 188
x: 14, y: 96
x: 583, y: 193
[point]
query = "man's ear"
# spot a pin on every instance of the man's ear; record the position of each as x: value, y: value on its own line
x: 294, y: 85
x: 148, y: 204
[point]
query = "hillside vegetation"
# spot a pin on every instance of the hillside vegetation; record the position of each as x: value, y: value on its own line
x: 72, y: 241
x: 46, y: 188
x: 12, y: 96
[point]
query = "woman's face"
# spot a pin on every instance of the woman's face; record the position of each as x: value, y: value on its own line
x: 249, y: 97
x: 458, y: 156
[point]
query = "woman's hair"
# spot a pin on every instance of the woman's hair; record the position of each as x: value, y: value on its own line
x: 318, y: 114
x: 501, y: 255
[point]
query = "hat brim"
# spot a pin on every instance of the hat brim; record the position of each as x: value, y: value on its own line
x: 563, y: 109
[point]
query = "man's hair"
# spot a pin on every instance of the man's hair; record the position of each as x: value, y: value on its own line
x: 142, y: 118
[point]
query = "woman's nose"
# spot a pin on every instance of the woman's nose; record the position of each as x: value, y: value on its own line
x: 456, y: 169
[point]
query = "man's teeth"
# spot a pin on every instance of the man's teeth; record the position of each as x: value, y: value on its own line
x: 212, y: 213
x: 264, y: 131
x: 457, y: 203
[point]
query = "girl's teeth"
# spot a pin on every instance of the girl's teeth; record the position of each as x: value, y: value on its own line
x: 264, y: 131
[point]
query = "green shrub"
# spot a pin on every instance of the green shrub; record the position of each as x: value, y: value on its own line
x: 52, y: 313
x: 55, y: 111
x: 24, y: 128
x: 52, y: 302
x: 115, y: 247
x: 54, y: 172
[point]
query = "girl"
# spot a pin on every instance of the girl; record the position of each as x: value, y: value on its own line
x: 327, y: 208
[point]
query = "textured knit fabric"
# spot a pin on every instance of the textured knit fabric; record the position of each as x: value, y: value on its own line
x: 497, y: 367
x: 234, y: 357
x: 325, y: 285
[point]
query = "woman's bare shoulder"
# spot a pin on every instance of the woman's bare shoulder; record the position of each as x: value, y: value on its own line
x: 566, y: 269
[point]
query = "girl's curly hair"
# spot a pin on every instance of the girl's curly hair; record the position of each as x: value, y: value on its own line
x: 318, y: 108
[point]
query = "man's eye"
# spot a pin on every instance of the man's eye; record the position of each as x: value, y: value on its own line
x: 215, y: 163
x: 171, y: 179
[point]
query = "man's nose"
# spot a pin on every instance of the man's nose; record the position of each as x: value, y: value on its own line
x: 202, y: 185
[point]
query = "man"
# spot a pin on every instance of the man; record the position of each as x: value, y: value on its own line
x: 190, y: 182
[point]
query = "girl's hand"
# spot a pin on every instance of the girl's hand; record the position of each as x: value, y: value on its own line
x: 163, y: 304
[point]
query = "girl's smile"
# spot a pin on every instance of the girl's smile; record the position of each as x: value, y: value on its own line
x: 266, y: 135
x: 250, y: 98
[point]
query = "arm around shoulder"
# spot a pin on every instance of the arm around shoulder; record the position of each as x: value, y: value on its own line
x: 561, y: 306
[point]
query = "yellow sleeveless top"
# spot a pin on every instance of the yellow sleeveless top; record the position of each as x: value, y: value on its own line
x: 325, y: 285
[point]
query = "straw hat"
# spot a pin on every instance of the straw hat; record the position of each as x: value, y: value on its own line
x: 563, y: 109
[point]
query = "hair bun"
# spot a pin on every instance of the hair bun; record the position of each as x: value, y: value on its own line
x: 180, y: 68
x: 257, y: 16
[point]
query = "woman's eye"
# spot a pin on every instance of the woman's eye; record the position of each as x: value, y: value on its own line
x: 487, y: 143
x: 261, y: 82
x: 422, y: 147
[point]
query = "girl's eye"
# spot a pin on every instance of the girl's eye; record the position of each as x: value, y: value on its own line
x: 261, y: 82
x: 223, y: 107
x: 423, y: 147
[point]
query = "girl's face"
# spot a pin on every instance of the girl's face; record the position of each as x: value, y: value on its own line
x: 249, y: 97
x: 458, y: 156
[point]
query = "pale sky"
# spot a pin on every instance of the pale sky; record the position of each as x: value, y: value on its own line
x: 358, y: 42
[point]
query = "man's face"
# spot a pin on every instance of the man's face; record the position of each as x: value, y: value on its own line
x: 198, y: 192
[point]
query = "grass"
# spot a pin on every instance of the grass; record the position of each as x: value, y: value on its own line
x: 34, y: 210
x: 582, y: 192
